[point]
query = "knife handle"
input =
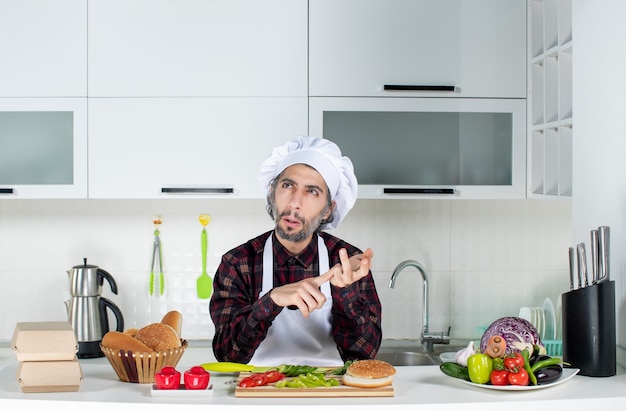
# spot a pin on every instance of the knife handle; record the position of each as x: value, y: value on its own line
x: 582, y: 263
x: 572, y: 265
x: 603, y: 253
x: 594, y: 256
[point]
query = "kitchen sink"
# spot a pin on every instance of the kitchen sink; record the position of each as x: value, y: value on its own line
x: 400, y: 358
x: 410, y: 352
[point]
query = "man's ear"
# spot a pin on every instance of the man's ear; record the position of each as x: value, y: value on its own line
x: 333, y: 205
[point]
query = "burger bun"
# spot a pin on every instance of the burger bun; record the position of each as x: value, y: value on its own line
x: 369, y: 374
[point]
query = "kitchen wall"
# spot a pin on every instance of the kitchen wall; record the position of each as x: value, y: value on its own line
x: 484, y: 259
x: 599, y: 196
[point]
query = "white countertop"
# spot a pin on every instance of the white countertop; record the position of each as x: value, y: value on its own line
x: 423, y: 387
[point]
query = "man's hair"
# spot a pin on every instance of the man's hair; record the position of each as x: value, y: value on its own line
x: 271, y: 200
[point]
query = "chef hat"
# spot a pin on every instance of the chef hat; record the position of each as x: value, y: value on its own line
x: 326, y: 158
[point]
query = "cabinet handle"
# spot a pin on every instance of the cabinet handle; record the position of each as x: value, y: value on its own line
x: 6, y: 191
x: 418, y: 190
x: 198, y: 190
x: 418, y: 87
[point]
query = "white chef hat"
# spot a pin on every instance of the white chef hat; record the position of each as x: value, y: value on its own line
x: 326, y: 158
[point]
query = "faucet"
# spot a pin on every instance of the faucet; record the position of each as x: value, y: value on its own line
x: 428, y: 339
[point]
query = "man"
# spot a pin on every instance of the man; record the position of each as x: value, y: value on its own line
x: 296, y: 294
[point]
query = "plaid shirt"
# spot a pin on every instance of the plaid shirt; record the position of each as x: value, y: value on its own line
x: 242, y: 319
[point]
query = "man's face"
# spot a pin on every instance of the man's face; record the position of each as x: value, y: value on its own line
x: 300, y: 203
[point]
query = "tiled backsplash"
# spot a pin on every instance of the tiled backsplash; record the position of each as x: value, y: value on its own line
x: 484, y: 259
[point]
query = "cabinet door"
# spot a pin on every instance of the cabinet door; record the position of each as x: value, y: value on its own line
x: 197, y: 48
x: 446, y: 148
x: 177, y: 148
x: 44, y: 48
x: 359, y: 46
x: 43, y: 148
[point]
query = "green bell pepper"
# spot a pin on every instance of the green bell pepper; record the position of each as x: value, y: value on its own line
x: 479, y: 367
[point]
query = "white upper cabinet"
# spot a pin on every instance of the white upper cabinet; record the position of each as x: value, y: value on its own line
x: 43, y: 48
x: 186, y: 147
x: 187, y: 48
x: 43, y: 148
x: 476, y: 48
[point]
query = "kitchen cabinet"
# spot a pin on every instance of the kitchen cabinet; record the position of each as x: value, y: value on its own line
x: 191, y: 48
x: 472, y: 48
x: 446, y: 148
x: 182, y: 147
x: 550, y: 125
x: 44, y: 48
x: 43, y: 148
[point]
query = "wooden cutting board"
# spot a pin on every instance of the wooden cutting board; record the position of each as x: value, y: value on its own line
x: 270, y: 391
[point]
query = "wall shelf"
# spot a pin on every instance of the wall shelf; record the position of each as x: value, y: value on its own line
x: 550, y: 123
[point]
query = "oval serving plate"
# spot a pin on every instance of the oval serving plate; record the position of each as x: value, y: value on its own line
x: 568, y: 373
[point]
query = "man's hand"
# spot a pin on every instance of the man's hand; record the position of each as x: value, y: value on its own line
x: 351, y: 269
x: 304, y: 294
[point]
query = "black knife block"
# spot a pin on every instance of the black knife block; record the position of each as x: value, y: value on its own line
x: 589, y: 340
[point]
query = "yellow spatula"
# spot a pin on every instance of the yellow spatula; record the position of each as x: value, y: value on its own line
x: 204, y: 284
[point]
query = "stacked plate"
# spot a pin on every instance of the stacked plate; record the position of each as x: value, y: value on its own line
x: 549, y: 332
x: 543, y: 319
x: 535, y: 316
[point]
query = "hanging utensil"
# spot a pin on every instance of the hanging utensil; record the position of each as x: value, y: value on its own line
x: 204, y: 283
x: 157, y: 257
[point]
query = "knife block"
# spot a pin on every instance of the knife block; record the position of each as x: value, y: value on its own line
x: 589, y: 339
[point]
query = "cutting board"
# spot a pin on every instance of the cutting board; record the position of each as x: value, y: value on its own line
x: 270, y: 391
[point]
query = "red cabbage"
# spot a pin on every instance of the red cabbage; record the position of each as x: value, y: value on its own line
x: 513, y: 330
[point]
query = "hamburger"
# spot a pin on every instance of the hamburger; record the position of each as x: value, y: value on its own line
x: 369, y: 374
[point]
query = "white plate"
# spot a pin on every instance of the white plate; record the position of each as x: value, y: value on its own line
x: 181, y: 392
x: 541, y: 320
x: 568, y: 373
x: 526, y: 313
x: 448, y: 356
x: 550, y: 314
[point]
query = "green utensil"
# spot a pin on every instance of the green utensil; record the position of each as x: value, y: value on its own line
x: 233, y: 367
x: 204, y: 283
x: 157, y: 258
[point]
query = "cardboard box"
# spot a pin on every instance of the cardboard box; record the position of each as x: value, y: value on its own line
x: 49, y: 376
x: 44, y: 341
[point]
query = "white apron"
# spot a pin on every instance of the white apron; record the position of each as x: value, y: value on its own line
x: 293, y: 339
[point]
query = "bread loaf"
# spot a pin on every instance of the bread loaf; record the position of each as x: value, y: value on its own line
x: 117, y: 340
x: 159, y: 337
x: 175, y: 320
x: 131, y: 331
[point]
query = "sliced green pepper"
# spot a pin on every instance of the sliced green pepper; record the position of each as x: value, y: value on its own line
x: 531, y: 374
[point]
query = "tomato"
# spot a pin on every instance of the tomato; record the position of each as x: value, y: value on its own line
x: 246, y: 382
x: 167, y: 378
x: 479, y: 368
x: 273, y: 376
x: 499, y: 377
x: 259, y: 379
x: 519, y: 378
x: 514, y: 363
x: 196, y: 378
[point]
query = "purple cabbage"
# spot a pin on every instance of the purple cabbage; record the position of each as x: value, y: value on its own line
x: 513, y: 330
